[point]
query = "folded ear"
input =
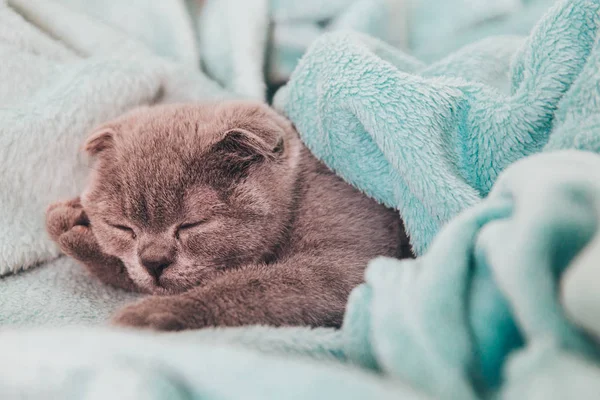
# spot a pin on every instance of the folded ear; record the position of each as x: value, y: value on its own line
x: 240, y: 148
x: 101, y: 139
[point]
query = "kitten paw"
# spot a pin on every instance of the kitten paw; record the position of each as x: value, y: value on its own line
x: 68, y: 225
x: 153, y: 313
x: 61, y: 217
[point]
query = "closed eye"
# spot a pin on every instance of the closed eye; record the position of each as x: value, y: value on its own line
x: 187, y: 226
x: 190, y: 225
x: 124, y: 228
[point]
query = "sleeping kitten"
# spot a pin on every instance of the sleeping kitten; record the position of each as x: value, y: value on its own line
x: 223, y: 215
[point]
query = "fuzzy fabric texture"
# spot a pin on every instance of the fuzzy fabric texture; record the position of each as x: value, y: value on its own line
x: 237, y: 50
x: 61, y: 293
x: 438, y: 28
x: 489, y: 287
x: 431, y: 140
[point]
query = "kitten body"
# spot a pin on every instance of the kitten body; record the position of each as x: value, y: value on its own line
x: 221, y: 213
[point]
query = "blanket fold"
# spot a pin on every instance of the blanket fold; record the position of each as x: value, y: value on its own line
x: 432, y: 144
x: 488, y: 285
x: 237, y: 50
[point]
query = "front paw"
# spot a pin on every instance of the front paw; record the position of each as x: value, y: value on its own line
x: 68, y: 225
x: 162, y: 314
x: 63, y: 216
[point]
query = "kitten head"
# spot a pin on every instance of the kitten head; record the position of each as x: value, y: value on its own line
x: 181, y: 192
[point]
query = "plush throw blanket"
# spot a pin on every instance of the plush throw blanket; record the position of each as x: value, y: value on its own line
x: 489, y: 153
x: 431, y: 140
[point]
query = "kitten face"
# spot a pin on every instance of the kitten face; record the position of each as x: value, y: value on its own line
x: 179, y: 193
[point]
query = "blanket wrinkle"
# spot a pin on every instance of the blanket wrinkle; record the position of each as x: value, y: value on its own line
x: 432, y: 144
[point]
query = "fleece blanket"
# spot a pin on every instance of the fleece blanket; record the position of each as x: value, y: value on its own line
x: 501, y: 302
x: 438, y: 28
x: 246, y: 55
x: 431, y: 140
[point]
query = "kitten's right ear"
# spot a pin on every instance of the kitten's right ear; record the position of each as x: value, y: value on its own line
x: 102, y: 139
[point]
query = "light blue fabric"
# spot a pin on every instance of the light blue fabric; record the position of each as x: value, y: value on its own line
x: 431, y: 140
x: 110, y: 365
x: 489, y: 285
x: 438, y: 28
x: 279, y: 32
x: 59, y: 293
x: 243, y: 38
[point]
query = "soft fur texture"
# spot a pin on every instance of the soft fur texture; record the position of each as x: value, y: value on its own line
x: 222, y: 208
x: 60, y: 293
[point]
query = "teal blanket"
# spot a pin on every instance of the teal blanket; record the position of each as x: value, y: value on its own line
x: 431, y: 140
x: 489, y: 154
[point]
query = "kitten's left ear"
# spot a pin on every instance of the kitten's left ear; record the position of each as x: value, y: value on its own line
x: 240, y: 149
x: 101, y: 139
x: 244, y: 145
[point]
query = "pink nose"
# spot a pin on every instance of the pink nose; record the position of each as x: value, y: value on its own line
x: 156, y: 266
x: 156, y: 258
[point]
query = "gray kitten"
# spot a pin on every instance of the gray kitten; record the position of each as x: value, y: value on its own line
x: 222, y: 214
